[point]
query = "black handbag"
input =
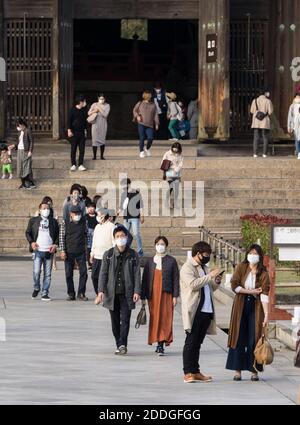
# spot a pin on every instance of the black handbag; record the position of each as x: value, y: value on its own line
x: 259, y: 114
x: 141, y: 318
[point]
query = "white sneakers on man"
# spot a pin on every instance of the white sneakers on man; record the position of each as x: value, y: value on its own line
x: 265, y: 156
x: 81, y: 168
x: 73, y: 168
x: 148, y: 152
x: 255, y: 156
x: 142, y: 155
x: 298, y: 155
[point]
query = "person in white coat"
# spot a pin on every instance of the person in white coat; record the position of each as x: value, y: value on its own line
x: 294, y: 122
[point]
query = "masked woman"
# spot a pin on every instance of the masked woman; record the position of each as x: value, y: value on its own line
x: 249, y: 315
x: 160, y: 286
x: 99, y: 125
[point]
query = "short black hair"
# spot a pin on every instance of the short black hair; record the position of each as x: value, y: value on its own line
x: 120, y: 229
x: 91, y: 204
x: 43, y: 203
x: 75, y: 186
x: 177, y: 145
x: 101, y: 95
x: 201, y: 247
x: 3, y: 147
x: 79, y: 98
x: 161, y: 238
x: 20, y: 121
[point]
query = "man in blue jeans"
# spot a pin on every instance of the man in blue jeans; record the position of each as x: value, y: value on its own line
x: 72, y: 243
x: 132, y: 210
x: 42, y: 234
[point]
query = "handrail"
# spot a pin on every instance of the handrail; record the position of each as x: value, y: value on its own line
x: 226, y: 254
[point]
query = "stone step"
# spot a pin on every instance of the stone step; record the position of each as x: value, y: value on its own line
x: 58, y: 195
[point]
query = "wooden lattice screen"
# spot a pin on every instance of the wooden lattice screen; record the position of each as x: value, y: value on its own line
x: 29, y: 72
x: 248, y: 70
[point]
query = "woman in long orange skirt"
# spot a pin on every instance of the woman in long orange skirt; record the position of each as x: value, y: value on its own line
x: 160, y: 286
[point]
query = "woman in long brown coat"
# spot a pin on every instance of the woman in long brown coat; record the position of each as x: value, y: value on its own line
x: 160, y: 286
x: 251, y: 285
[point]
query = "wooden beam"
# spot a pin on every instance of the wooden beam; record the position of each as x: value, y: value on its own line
x: 285, y: 33
x: 214, y: 102
x: 2, y: 83
x: 62, y: 65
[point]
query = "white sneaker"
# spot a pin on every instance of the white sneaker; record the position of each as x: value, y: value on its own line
x: 73, y: 168
x: 148, y: 152
x: 255, y: 156
x: 142, y: 155
x: 265, y: 156
x: 4, y: 176
x: 298, y: 155
x: 10, y: 177
x: 81, y: 168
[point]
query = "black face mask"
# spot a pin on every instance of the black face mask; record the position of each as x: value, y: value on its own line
x: 204, y: 260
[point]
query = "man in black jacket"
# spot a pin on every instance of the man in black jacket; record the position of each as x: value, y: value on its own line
x: 42, y: 234
x: 120, y: 286
x: 77, y: 130
x: 72, y: 243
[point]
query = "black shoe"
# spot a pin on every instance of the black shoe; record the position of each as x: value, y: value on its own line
x: 35, y: 294
x: 32, y: 186
x: 71, y: 298
x: 102, y: 157
x: 160, y: 351
x: 22, y: 187
x: 254, y: 378
x: 237, y: 378
x: 122, y: 350
x: 82, y: 297
x: 45, y: 298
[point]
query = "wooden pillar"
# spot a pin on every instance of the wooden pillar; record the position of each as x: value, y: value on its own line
x: 2, y: 83
x: 214, y: 102
x: 284, y: 42
x: 62, y: 65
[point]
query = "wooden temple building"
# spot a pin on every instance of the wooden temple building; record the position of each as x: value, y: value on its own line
x: 221, y: 51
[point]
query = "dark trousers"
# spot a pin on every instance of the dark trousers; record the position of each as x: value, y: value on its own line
x: 162, y: 132
x: 242, y: 357
x: 258, y: 135
x: 193, y: 341
x: 77, y: 141
x: 145, y: 133
x: 96, y: 267
x: 69, y: 270
x: 120, y: 320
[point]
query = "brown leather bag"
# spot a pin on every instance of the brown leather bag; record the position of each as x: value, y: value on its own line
x: 263, y: 353
x: 165, y: 165
x: 297, y: 356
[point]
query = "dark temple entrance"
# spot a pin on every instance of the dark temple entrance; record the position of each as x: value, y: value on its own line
x: 104, y: 62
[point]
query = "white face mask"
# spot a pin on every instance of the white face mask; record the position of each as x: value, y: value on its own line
x: 45, y: 213
x: 253, y: 259
x: 77, y: 218
x: 121, y: 242
x: 160, y: 249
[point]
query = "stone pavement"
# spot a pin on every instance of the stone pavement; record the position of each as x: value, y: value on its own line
x: 62, y: 353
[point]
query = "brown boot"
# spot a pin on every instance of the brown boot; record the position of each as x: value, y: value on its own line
x: 199, y: 377
x: 189, y: 378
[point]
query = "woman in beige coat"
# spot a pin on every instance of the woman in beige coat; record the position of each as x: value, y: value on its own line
x: 197, y: 284
x: 261, y: 127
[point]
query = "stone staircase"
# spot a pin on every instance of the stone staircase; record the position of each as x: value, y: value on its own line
x: 233, y: 187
